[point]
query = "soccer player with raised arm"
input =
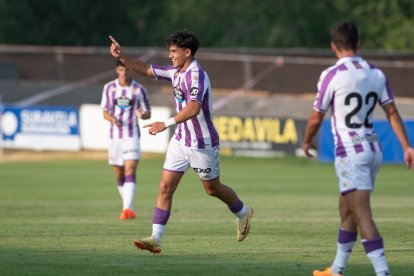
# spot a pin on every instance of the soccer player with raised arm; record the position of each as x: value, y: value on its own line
x: 123, y: 99
x: 195, y: 143
x: 351, y: 89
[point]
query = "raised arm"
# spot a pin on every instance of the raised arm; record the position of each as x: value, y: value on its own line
x: 398, y: 126
x: 135, y: 65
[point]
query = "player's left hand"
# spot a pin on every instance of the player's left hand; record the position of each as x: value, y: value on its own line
x: 155, y: 127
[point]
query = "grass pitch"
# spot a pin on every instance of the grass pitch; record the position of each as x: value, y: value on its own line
x: 61, y: 218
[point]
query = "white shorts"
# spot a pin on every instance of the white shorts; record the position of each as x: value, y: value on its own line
x: 205, y: 162
x: 120, y: 150
x: 357, y: 172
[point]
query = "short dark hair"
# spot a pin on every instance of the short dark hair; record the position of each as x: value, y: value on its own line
x: 345, y: 36
x: 183, y: 39
x: 119, y: 63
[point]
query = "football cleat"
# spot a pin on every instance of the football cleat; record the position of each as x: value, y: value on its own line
x: 127, y: 214
x: 149, y: 244
x: 326, y: 272
x: 243, y: 225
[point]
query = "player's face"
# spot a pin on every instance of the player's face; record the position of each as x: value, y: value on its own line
x: 124, y: 74
x: 179, y: 56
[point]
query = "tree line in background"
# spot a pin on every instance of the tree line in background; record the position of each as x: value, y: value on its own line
x: 384, y: 24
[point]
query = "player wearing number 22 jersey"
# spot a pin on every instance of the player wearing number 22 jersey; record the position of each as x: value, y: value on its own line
x: 352, y: 88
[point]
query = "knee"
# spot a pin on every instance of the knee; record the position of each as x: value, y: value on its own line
x: 344, y: 213
x: 212, y: 191
x: 361, y: 216
x: 165, y: 188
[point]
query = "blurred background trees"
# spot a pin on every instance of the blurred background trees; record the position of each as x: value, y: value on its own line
x: 384, y: 24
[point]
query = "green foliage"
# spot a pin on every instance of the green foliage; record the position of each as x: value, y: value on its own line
x: 61, y: 218
x: 384, y: 24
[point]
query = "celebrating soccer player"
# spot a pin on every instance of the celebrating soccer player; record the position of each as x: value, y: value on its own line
x: 123, y: 99
x: 352, y: 88
x: 196, y: 141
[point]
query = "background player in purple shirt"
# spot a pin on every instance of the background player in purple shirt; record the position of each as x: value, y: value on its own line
x: 352, y: 88
x: 195, y: 143
x: 123, y: 100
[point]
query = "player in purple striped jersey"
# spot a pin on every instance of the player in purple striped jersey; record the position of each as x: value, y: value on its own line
x: 123, y: 100
x: 352, y: 88
x: 195, y: 143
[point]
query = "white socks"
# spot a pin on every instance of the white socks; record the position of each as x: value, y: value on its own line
x: 157, y: 231
x: 343, y: 251
x: 242, y: 213
x: 128, y: 194
x: 379, y: 262
x: 121, y: 191
x: 375, y: 252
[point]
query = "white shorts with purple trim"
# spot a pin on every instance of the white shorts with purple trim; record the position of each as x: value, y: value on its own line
x: 357, y: 171
x: 120, y: 150
x: 205, y: 162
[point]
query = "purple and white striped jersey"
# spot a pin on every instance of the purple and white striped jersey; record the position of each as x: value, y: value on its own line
x: 191, y: 85
x: 351, y: 88
x: 122, y: 103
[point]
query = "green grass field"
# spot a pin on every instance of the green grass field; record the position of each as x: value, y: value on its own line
x: 61, y: 218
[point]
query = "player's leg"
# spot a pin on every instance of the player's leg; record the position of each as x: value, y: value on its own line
x: 347, y: 237
x: 130, y: 157
x: 359, y: 202
x: 129, y: 189
x: 120, y: 178
x: 360, y: 206
x: 115, y: 159
x: 168, y: 184
x: 227, y: 195
x: 206, y: 163
x: 175, y: 165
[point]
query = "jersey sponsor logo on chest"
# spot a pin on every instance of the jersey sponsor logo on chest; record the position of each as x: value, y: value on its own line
x: 178, y: 93
x: 194, y: 91
x: 123, y: 102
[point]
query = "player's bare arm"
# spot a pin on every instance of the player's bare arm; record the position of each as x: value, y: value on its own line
x: 312, y: 127
x: 397, y: 125
x: 111, y: 118
x: 135, y: 65
x: 191, y: 110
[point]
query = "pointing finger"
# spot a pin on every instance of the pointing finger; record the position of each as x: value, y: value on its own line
x: 114, y: 41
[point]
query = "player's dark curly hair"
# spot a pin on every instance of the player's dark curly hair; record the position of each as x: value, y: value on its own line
x: 183, y: 39
x: 345, y: 36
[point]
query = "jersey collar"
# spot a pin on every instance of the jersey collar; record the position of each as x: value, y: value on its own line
x: 119, y: 85
x: 191, y: 66
x: 345, y: 59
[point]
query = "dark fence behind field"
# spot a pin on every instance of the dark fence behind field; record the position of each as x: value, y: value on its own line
x: 292, y: 71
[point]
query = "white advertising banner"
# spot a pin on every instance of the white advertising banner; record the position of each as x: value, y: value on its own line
x: 94, y: 129
x: 40, y: 128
